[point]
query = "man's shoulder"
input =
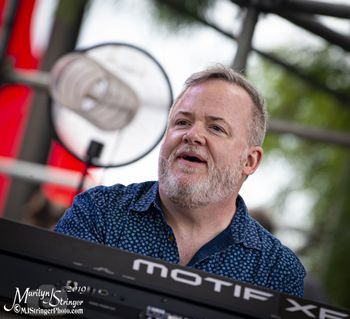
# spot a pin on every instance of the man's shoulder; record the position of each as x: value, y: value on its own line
x: 100, y: 206
x: 274, y: 250
x: 118, y: 197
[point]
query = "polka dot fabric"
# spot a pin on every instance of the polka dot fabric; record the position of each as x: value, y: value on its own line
x: 130, y: 218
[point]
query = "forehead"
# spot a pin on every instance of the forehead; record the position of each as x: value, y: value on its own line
x: 215, y: 97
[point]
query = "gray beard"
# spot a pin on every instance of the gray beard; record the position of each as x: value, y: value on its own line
x: 219, y: 185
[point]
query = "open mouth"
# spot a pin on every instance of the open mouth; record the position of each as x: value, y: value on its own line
x: 193, y: 158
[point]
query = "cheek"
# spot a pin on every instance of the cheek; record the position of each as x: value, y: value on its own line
x: 228, y: 156
x: 166, y: 148
x: 170, y: 142
x: 163, y: 150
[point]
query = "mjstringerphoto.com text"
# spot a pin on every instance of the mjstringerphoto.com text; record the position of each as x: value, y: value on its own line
x: 44, y: 301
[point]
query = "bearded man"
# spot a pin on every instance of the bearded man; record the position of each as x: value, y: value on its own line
x: 194, y: 215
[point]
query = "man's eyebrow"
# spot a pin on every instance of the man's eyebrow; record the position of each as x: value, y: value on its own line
x: 208, y: 117
x: 183, y: 113
x: 217, y: 118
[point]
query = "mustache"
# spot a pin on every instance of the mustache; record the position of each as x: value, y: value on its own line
x: 190, y: 148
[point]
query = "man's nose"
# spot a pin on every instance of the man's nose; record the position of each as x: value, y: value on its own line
x: 194, y: 135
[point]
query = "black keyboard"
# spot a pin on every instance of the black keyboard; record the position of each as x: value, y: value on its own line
x: 43, y: 272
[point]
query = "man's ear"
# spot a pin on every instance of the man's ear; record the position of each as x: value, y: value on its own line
x: 254, y: 158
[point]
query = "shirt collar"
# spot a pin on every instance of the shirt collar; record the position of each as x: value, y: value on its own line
x: 243, y: 227
x: 148, y: 198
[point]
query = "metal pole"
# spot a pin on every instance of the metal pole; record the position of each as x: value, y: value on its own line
x: 35, y: 79
x: 309, y: 133
x: 342, y: 98
x: 35, y: 173
x: 9, y: 20
x: 308, y: 22
x: 244, y: 42
x: 337, y: 10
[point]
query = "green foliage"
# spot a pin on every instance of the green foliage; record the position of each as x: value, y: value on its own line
x: 180, y: 14
x: 321, y: 168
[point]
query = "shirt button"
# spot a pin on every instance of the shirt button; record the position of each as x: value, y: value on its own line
x: 171, y: 238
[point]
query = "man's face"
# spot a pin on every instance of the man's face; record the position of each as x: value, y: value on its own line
x: 205, y: 149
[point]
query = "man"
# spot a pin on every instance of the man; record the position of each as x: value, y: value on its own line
x: 194, y: 216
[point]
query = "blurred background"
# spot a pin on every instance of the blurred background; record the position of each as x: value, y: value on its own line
x: 295, y: 51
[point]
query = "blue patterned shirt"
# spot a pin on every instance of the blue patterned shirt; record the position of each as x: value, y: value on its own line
x: 131, y: 218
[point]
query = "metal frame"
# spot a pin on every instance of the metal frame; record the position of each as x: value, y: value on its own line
x: 308, y: 22
x: 299, y: 12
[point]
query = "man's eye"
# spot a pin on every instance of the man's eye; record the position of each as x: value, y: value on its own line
x: 217, y: 128
x: 181, y: 123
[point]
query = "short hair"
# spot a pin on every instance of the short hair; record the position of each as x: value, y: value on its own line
x: 257, y: 126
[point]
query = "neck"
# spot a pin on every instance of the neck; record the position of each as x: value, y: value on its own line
x: 194, y: 227
x: 217, y: 215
